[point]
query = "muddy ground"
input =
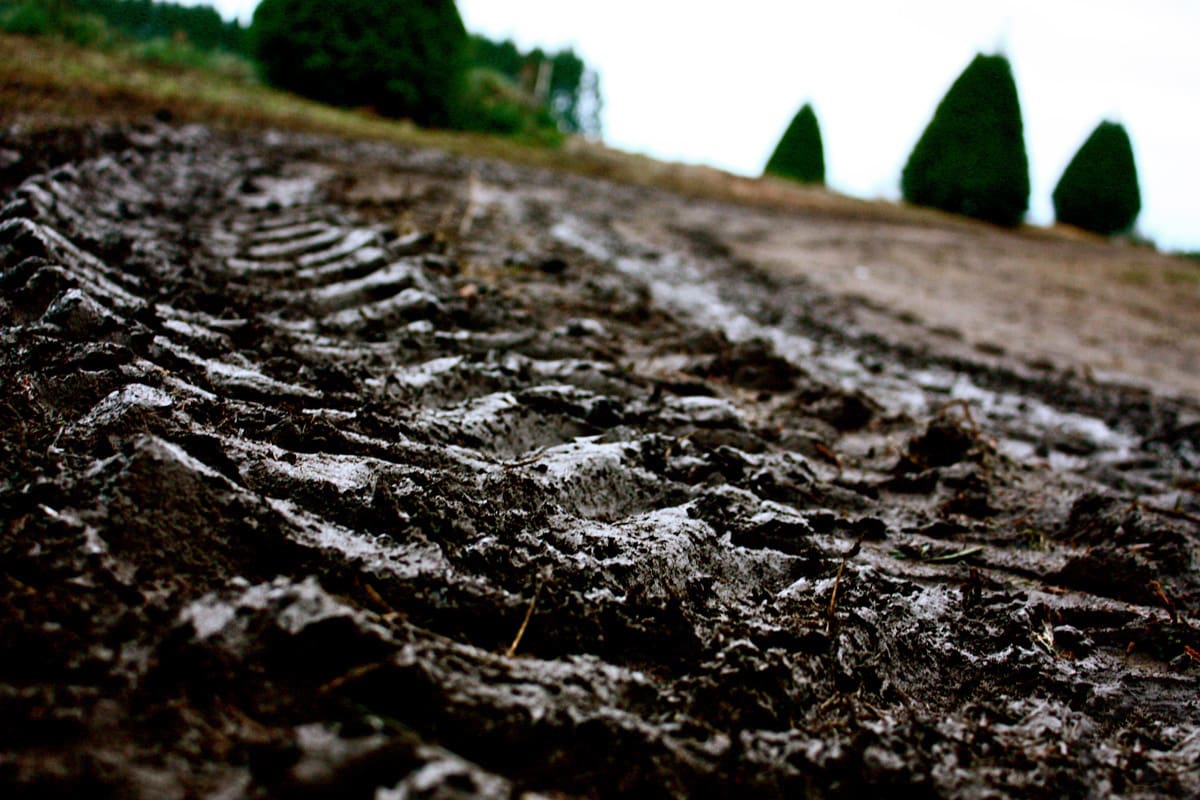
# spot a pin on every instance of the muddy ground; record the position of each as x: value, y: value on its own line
x: 340, y: 470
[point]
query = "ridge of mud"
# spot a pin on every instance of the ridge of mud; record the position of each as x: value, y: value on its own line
x: 337, y: 469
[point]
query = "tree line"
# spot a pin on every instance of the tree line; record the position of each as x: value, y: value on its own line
x: 143, y: 20
x: 101, y: 22
x: 416, y: 60
x: 408, y: 59
x: 971, y: 159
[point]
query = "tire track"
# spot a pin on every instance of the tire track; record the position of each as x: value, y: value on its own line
x: 284, y: 484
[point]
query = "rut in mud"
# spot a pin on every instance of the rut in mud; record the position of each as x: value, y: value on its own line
x: 337, y: 470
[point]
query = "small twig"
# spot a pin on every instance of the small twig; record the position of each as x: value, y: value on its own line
x: 827, y: 453
x: 965, y: 405
x: 376, y: 598
x: 828, y: 702
x: 512, y: 648
x: 876, y: 710
x: 1171, y: 512
x: 352, y: 675
x: 1164, y: 598
x: 53, y: 448
x: 837, y: 582
x: 520, y: 462
x: 946, y: 557
x: 524, y: 462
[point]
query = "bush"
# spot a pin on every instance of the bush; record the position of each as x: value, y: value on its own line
x: 572, y: 96
x: 1098, y: 191
x: 179, y: 53
x: 27, y: 19
x: 971, y: 158
x: 404, y: 58
x: 799, y: 155
x: 494, y: 104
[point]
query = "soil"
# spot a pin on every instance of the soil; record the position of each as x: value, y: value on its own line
x: 335, y: 469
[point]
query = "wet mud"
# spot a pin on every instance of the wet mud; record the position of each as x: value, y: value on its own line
x: 334, y: 469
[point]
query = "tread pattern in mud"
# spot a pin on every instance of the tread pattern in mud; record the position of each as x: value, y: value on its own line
x: 456, y: 495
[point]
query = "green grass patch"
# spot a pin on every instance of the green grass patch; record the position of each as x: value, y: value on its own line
x: 1142, y: 275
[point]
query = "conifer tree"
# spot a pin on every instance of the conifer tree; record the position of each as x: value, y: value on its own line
x: 800, y: 155
x: 403, y: 58
x: 1098, y: 191
x: 971, y: 158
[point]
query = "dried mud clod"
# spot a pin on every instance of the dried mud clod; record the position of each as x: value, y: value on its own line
x: 752, y: 365
x: 335, y: 469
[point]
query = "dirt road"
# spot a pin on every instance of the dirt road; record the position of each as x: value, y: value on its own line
x: 338, y: 470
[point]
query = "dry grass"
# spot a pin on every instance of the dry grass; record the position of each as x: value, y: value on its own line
x: 1150, y: 275
x: 47, y: 82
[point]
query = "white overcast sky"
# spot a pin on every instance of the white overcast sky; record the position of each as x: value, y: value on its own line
x: 717, y: 83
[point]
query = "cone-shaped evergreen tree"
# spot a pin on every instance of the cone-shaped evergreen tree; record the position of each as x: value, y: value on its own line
x: 799, y: 155
x: 971, y: 158
x: 1098, y: 191
x: 405, y: 59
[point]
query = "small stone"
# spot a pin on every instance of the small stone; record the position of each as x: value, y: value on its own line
x: 552, y: 266
x: 583, y: 327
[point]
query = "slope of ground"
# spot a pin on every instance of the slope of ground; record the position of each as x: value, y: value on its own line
x: 1111, y: 311
x: 336, y: 469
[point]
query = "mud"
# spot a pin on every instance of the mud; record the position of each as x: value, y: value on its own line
x: 334, y: 469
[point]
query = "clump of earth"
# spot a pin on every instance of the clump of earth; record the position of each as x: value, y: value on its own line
x: 338, y: 469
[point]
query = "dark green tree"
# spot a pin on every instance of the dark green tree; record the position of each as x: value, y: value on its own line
x: 971, y: 158
x: 58, y: 18
x: 143, y: 20
x: 502, y: 57
x: 799, y: 156
x: 1098, y: 191
x: 404, y: 58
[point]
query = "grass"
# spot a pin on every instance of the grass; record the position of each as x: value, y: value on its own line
x: 43, y: 81
x: 1144, y: 275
